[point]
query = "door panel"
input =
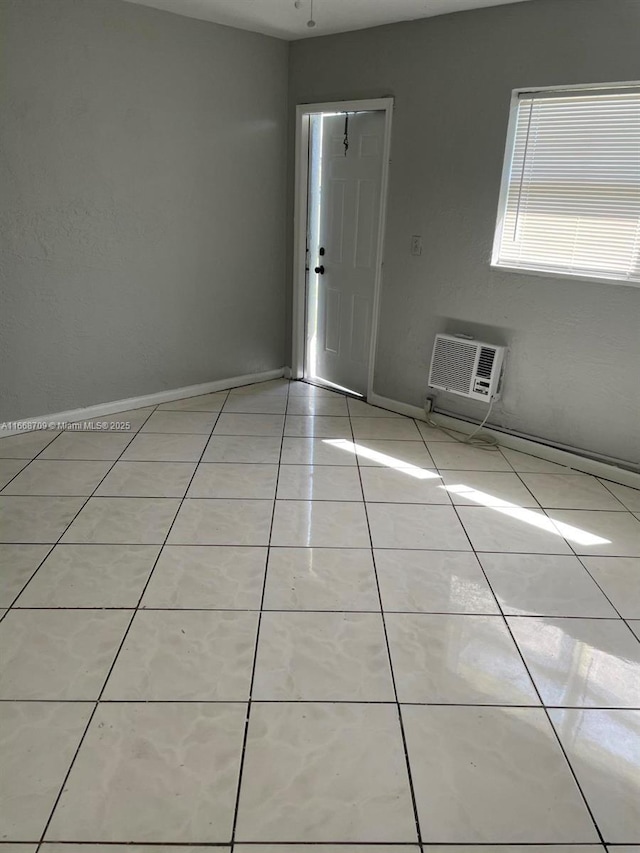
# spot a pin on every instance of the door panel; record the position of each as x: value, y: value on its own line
x: 366, y: 210
x: 332, y: 321
x: 360, y: 329
x: 334, y: 221
x: 345, y: 216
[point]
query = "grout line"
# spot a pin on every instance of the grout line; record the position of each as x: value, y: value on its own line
x: 86, y: 501
x: 115, y: 659
x: 255, y: 654
x: 531, y: 679
x: 275, y: 845
x: 500, y: 615
x: 412, y: 793
x: 542, y: 705
x: 335, y: 548
x: 482, y: 614
x: 390, y: 702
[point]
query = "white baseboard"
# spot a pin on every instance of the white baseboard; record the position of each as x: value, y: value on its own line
x: 598, y: 468
x: 146, y: 400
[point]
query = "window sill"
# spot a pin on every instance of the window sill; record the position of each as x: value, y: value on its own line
x: 565, y: 275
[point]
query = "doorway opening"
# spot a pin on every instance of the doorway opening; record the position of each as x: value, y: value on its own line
x: 342, y: 162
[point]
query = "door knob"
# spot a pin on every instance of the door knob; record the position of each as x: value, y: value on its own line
x: 319, y: 270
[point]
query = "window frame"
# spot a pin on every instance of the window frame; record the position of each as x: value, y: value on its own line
x: 516, y: 94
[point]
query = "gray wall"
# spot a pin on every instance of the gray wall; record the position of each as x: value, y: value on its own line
x: 574, y: 370
x: 142, y: 186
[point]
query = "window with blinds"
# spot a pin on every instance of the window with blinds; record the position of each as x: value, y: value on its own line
x: 570, y: 199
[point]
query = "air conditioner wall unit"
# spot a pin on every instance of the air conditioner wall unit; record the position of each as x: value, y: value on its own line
x: 467, y: 367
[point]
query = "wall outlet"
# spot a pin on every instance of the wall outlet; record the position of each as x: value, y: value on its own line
x: 416, y: 244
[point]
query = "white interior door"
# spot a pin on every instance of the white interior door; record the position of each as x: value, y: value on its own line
x: 345, y: 196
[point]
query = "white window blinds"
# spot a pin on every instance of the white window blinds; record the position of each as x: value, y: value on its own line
x: 570, y: 202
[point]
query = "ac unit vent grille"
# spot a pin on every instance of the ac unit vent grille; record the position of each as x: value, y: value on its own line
x: 452, y: 365
x: 485, y: 362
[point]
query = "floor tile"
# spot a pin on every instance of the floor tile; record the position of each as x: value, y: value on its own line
x: 306, y: 389
x: 463, y: 457
x: 321, y: 579
x: 133, y: 418
x: 619, y: 578
x: 222, y: 522
x: 433, y: 582
x: 155, y: 447
x: 328, y: 406
x: 36, y: 519
x: 234, y: 480
x: 9, y: 468
x: 91, y: 576
x: 459, y: 659
x: 416, y: 526
x: 629, y: 497
x: 393, y: 454
x: 232, y: 424
x: 185, y: 655
x: 360, y: 409
x: 492, y: 776
x: 163, y: 772
x: 486, y: 488
x: 544, y: 585
x: 45, y: 477
x: 132, y: 521
x: 37, y: 744
x: 238, y: 448
x: 581, y: 662
x: 260, y: 389
x: 619, y: 530
x: 147, y: 480
x: 75, y: 847
x: 181, y: 422
x: 430, y: 433
x: 17, y: 564
x: 325, y: 763
x: 330, y: 524
x: 326, y: 848
x: 570, y: 491
x: 26, y: 445
x: 317, y: 772
x: 87, y: 445
x: 58, y: 654
x: 319, y: 426
x: 203, y: 403
x: 322, y: 657
x: 206, y: 576
x: 604, y: 750
x: 268, y: 404
x: 514, y: 848
x: 397, y: 429
x: 400, y: 486
x: 319, y: 483
x: 525, y: 462
x: 518, y: 530
x: 314, y: 451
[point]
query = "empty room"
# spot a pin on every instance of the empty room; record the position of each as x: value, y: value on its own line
x: 319, y: 426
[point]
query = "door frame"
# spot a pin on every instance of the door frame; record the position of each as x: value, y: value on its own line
x: 301, y: 201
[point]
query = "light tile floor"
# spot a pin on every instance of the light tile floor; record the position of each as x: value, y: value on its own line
x: 277, y: 616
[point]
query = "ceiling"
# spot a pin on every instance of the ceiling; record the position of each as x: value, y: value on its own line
x: 280, y: 18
